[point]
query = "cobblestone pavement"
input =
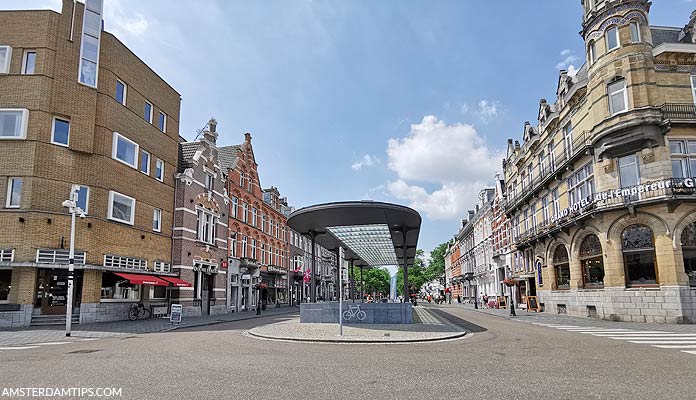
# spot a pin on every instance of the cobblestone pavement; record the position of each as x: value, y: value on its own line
x: 56, y: 334
x: 427, y: 326
x: 554, y: 319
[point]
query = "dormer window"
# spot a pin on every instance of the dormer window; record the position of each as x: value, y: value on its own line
x: 612, y: 37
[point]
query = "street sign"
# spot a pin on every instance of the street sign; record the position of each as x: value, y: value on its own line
x: 175, y: 314
x: 224, y: 265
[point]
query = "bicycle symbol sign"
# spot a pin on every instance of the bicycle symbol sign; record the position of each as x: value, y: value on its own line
x: 354, y: 312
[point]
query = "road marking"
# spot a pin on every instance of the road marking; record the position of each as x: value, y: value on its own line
x: 49, y: 343
x: 19, y: 348
x: 598, y: 330
x: 690, y: 352
x: 654, y: 336
x: 88, y: 339
x: 676, y: 346
x: 614, y: 333
x: 662, y: 341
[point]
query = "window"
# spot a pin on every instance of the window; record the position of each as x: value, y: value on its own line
x: 618, y: 99
x: 635, y: 32
x: 688, y: 242
x: 244, y: 246
x: 683, y: 158
x: 13, y: 123
x: 241, y: 179
x: 253, y: 249
x: 207, y: 223
x: 158, y: 292
x: 545, y: 209
x: 5, y: 284
x: 147, y: 112
x: 593, y: 52
x: 5, y: 57
x: 592, y: 262
x: 254, y: 216
x: 530, y: 169
x: 14, y: 192
x: 121, y: 208
x: 235, y: 206
x: 534, y: 217
x: 233, y: 244
x: 561, y: 266
x: 612, y: 36
x: 209, y: 182
x: 29, y: 62
x: 568, y: 139
x: 263, y: 253
x: 144, y: 162
x: 628, y: 171
x: 552, y: 159
x: 556, y: 204
x: 82, y: 197
x: 157, y: 220
x: 159, y: 170
x: 639, y: 256
x: 89, y: 50
x: 162, y: 122
x: 125, y: 150
x: 60, y: 134
x: 117, y: 288
x: 263, y: 222
x: 245, y: 212
x: 693, y: 87
x: 121, y: 92
x: 581, y: 184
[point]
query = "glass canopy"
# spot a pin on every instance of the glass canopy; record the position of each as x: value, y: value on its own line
x: 372, y: 243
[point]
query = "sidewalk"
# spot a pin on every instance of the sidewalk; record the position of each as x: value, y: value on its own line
x: 546, y: 318
x: 44, y: 334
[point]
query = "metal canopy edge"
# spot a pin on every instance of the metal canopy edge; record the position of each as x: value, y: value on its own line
x: 401, y: 220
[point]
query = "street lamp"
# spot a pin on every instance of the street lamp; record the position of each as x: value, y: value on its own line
x: 512, y: 301
x: 73, y: 209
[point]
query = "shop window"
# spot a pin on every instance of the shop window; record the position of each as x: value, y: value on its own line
x: 639, y: 256
x: 116, y: 288
x: 158, y: 292
x: 5, y: 284
x: 688, y: 242
x: 561, y: 266
x: 592, y: 262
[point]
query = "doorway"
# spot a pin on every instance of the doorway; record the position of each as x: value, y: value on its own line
x: 207, y: 293
x: 52, y: 291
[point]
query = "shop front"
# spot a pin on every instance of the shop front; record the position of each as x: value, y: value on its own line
x: 51, y: 293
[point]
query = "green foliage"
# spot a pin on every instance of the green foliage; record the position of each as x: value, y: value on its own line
x: 419, y: 274
x: 375, y: 280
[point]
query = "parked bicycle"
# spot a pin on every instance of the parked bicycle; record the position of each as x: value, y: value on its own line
x: 139, y: 311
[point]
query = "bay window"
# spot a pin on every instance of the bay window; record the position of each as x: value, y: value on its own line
x: 121, y: 208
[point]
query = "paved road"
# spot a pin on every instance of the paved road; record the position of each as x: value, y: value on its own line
x: 501, y: 359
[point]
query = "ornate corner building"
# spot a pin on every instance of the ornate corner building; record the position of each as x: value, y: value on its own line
x: 600, y: 194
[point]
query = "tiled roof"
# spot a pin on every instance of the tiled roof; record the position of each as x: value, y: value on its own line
x: 186, y: 152
x: 664, y: 35
x: 227, y: 156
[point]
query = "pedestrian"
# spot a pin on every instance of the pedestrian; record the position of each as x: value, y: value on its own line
x: 459, y: 299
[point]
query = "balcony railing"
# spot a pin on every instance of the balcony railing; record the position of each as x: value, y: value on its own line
x: 560, y: 158
x: 676, y: 111
x: 59, y: 256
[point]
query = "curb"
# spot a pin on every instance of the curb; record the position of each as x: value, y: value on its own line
x: 358, y: 341
x: 216, y: 322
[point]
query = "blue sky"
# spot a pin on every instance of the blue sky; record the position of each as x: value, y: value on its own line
x: 404, y: 101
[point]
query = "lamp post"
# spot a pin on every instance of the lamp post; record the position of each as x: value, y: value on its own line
x: 512, y: 301
x: 73, y: 209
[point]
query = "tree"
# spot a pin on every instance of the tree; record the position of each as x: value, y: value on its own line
x: 375, y: 280
x: 436, y: 267
x: 416, y: 275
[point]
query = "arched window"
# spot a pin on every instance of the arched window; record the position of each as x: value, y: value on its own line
x: 561, y: 266
x: 688, y: 242
x: 639, y: 255
x: 592, y: 262
x: 592, y: 49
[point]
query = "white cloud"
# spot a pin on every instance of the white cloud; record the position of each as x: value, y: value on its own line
x: 572, y: 71
x: 568, y: 58
x: 453, y: 158
x: 366, y: 161
x: 487, y: 110
x: 121, y: 22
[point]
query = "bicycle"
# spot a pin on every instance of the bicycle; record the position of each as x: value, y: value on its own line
x: 138, y: 311
x: 354, y: 311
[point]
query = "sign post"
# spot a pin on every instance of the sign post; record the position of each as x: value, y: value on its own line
x: 175, y: 314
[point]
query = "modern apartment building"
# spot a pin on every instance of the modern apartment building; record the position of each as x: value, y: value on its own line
x: 600, y: 192
x: 80, y: 113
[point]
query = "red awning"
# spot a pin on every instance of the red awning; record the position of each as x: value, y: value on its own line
x: 138, y: 279
x: 176, y: 281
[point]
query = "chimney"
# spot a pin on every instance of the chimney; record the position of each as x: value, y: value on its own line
x: 210, y: 135
x: 247, y: 137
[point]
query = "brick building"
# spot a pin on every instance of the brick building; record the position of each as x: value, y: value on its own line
x: 601, y: 190
x: 79, y: 111
x: 258, y: 229
x: 200, y: 228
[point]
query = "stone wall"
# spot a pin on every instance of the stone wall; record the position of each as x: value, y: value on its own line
x: 667, y: 304
x: 103, y: 312
x: 16, y: 319
x: 374, y: 313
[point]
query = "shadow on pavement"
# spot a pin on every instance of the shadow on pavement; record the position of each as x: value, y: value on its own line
x: 471, y: 327
x: 223, y: 325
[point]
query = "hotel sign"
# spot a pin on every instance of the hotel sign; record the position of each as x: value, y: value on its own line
x: 626, y: 193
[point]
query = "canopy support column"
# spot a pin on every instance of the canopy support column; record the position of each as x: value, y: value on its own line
x: 313, y: 282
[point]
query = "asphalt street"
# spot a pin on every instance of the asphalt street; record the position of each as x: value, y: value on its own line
x: 500, y: 359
